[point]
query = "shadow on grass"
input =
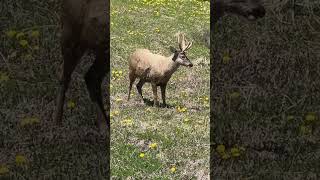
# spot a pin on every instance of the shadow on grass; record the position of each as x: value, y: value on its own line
x: 150, y: 103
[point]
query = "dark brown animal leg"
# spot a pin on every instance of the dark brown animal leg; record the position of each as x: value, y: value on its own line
x: 155, y: 95
x: 139, y: 87
x: 132, y: 79
x: 163, y: 94
x: 71, y: 55
x: 94, y: 78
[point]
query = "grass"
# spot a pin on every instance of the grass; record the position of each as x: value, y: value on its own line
x: 266, y: 79
x: 179, y: 134
x: 31, y: 145
x: 266, y: 93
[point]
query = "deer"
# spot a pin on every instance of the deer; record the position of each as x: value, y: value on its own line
x: 157, y: 69
x: 85, y: 29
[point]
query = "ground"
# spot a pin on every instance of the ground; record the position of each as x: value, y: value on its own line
x: 265, y: 94
x: 31, y: 145
x: 179, y: 134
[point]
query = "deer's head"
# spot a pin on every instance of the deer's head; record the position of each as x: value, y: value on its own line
x: 180, y: 56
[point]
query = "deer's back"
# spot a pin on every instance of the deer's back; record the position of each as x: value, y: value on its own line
x: 86, y: 21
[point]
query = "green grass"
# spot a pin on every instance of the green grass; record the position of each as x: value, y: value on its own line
x: 266, y: 95
x: 181, y: 143
x: 28, y: 89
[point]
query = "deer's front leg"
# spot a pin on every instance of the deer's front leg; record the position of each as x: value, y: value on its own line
x: 155, y: 95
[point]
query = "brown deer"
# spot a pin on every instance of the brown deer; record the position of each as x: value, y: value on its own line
x: 85, y: 28
x: 157, y: 69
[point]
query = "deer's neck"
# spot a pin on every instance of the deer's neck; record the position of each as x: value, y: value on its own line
x: 172, y: 66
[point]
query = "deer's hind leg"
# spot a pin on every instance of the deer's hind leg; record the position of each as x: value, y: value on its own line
x: 163, y: 93
x: 132, y: 78
x: 72, y: 53
x: 94, y: 78
x: 139, y: 87
x: 155, y: 94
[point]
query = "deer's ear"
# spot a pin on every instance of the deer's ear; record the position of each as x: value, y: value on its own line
x: 172, y: 49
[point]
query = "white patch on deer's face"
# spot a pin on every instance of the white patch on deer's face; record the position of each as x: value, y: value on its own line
x: 183, y: 60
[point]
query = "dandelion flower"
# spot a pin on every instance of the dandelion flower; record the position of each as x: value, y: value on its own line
x: 186, y: 120
x: 23, y: 43
x: 157, y: 30
x: 310, y: 118
x: 35, y: 34
x: 127, y: 122
x: 11, y: 33
x: 3, y: 77
x: 29, y: 121
x: 4, y: 169
x: 21, y: 160
x: 71, y: 104
x: 226, y: 59
x: 221, y: 148
x: 118, y: 100
x: 141, y: 155
x: 153, y: 146
x: 116, y: 113
x: 173, y: 169
x: 235, y: 152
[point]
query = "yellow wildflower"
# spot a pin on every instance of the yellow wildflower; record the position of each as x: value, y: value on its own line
x: 29, y: 121
x: 173, y: 169
x: 310, y: 118
x: 153, y: 146
x: 235, y: 152
x: 157, y: 30
x: 71, y: 104
x: 127, y: 122
x: 35, y: 34
x: 23, y: 43
x: 21, y: 160
x: 221, y: 148
x: 141, y: 155
x: 3, y: 77
x: 226, y: 59
x: 118, y: 100
x: 4, y: 169
x: 181, y: 109
x: 11, y: 33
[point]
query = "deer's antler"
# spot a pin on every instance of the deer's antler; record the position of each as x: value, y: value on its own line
x: 182, y: 42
